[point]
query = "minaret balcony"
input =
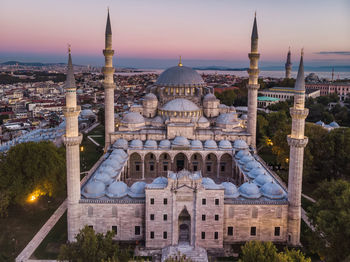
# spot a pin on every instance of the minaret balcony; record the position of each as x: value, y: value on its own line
x: 107, y: 70
x: 253, y: 71
x: 72, y: 141
x: 297, y: 142
x: 254, y: 55
x: 107, y: 52
x: 298, y: 113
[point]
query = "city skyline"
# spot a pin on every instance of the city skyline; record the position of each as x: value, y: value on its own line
x: 155, y: 33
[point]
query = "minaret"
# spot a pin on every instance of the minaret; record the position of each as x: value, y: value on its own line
x: 297, y: 141
x: 72, y: 139
x: 253, y: 85
x: 108, y: 71
x: 288, y: 66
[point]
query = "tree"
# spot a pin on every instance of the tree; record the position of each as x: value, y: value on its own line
x: 92, y: 247
x: 101, y: 116
x: 31, y: 167
x: 256, y: 251
x: 330, y: 216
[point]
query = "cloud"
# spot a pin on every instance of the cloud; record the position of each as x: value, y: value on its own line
x: 333, y: 53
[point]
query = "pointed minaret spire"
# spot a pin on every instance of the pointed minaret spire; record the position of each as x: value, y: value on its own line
x: 300, y: 82
x: 288, y: 65
x: 108, y: 25
x: 255, y: 29
x: 70, y: 80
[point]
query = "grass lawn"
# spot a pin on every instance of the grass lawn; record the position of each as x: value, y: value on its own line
x: 22, y: 224
x: 98, y: 134
x: 91, y: 153
x: 50, y: 246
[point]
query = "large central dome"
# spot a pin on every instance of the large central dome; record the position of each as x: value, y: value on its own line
x: 180, y: 76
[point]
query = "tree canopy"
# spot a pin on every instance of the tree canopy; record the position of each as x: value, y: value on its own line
x: 31, y: 168
x: 330, y: 216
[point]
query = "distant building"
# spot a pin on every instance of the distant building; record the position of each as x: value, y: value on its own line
x: 286, y: 93
x: 342, y: 89
x: 265, y: 101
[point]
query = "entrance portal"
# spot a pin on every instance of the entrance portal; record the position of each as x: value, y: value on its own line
x: 180, y: 161
x: 184, y: 226
x: 180, y: 164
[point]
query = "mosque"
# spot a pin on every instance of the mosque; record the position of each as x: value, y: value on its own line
x: 181, y: 169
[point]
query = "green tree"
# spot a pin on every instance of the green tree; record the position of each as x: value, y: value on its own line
x: 330, y: 216
x: 226, y: 97
x: 293, y: 256
x: 256, y: 251
x: 32, y: 167
x: 92, y: 247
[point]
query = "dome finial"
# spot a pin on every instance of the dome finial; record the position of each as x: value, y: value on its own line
x: 302, y: 51
x: 69, y: 48
x: 180, y: 63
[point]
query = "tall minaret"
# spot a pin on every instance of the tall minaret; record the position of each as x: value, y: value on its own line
x: 288, y: 66
x: 253, y: 85
x: 72, y: 139
x: 297, y: 141
x: 108, y: 71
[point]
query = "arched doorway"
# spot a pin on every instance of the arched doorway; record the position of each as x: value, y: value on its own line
x: 210, y: 168
x: 135, y: 169
x: 150, y: 165
x: 196, y: 162
x: 164, y: 164
x: 225, y: 168
x: 180, y: 162
x: 184, y: 226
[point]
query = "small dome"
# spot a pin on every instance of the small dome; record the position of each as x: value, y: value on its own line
x: 180, y: 105
x: 180, y: 76
x: 320, y: 123
x: 196, y: 144
x: 136, y: 144
x: 133, y: 118
x: 109, y: 168
x: 203, y: 120
x: 240, y: 144
x: 150, y: 96
x: 262, y: 179
x: 252, y: 165
x: 120, y: 152
x: 249, y: 190
x: 209, y: 183
x: 164, y: 144
x: 242, y: 153
x: 159, y: 182
x: 272, y: 190
x: 225, y: 144
x: 150, y: 144
x: 121, y: 143
x: 244, y: 160
x: 334, y: 124
x: 94, y: 189
x: 209, y: 97
x: 256, y: 172
x: 86, y: 113
x: 244, y: 117
x: 117, y: 189
x: 210, y: 144
x: 157, y: 121
x: 181, y: 141
x: 137, y: 189
x: 227, y: 118
x: 231, y: 190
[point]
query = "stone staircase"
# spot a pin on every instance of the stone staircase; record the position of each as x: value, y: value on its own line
x: 197, y: 254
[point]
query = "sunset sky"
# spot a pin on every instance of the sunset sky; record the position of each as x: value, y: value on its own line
x: 150, y: 33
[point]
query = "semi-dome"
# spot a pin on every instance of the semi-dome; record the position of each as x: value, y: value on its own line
x: 164, y: 144
x: 94, y: 189
x: 242, y: 153
x: 240, y: 144
x: 181, y: 141
x: 262, y: 179
x: 256, y: 172
x: 249, y: 190
x: 121, y: 143
x: 137, y: 189
x: 136, y: 144
x: 117, y: 189
x: 226, y: 118
x: 196, y: 144
x: 150, y: 96
x: 334, y: 124
x: 150, y: 144
x: 210, y: 144
x: 180, y: 105
x: 180, y: 76
x: 133, y: 118
x: 225, y: 144
x: 209, y: 97
x: 272, y: 190
x: 231, y: 190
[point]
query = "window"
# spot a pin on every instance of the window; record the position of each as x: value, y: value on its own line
x: 230, y: 231
x: 165, y: 201
x: 222, y: 168
x: 203, y: 235
x: 216, y: 235
x: 137, y: 230
x: 115, y: 229
x: 204, y: 201
x: 277, y: 231
x: 152, y: 234
x: 152, y: 156
x: 165, y: 168
x: 195, y: 157
x: 152, y: 201
x: 253, y: 231
x: 203, y: 217
x: 216, y: 217
x: 209, y: 156
x: 92, y: 227
x: 165, y: 235
x: 195, y: 168
x: 208, y: 168
x: 151, y: 217
x: 137, y: 167
x: 165, y: 217
x: 217, y: 201
x: 151, y: 167
x: 165, y: 156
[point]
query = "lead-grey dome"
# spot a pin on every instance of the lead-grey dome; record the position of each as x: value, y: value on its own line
x: 150, y: 144
x: 94, y: 189
x: 180, y: 76
x: 180, y: 105
x: 227, y: 118
x: 181, y: 141
x: 209, y: 97
x: 150, y: 96
x: 196, y: 144
x: 249, y: 190
x: 164, y: 144
x: 272, y: 190
x: 136, y: 144
x: 231, y: 190
x: 210, y: 144
x: 240, y: 144
x: 225, y: 144
x: 242, y: 153
x: 133, y: 118
x: 121, y: 143
x: 262, y: 179
x: 117, y: 189
x: 137, y: 189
